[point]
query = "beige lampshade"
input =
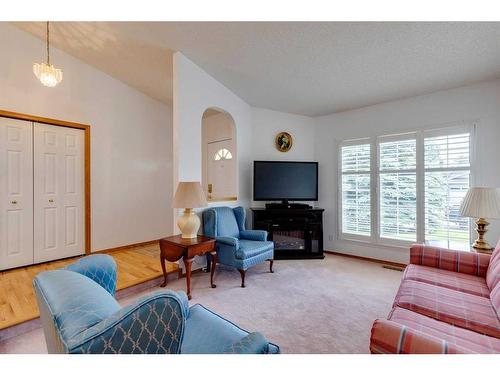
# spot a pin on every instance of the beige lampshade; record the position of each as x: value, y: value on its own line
x: 189, y: 195
x: 481, y: 202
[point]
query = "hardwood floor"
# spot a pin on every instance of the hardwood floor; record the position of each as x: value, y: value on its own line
x: 17, y: 297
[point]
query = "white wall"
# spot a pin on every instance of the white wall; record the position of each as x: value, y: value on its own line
x: 194, y: 92
x: 480, y: 102
x: 131, y: 137
x: 266, y: 124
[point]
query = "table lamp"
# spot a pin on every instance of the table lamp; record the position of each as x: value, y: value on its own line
x: 481, y: 203
x: 189, y: 195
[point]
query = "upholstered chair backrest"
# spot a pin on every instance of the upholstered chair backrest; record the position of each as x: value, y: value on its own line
x: 209, y: 217
x: 493, y: 279
x: 99, y: 267
x: 493, y: 272
x: 69, y: 304
x: 224, y: 221
x: 240, y: 214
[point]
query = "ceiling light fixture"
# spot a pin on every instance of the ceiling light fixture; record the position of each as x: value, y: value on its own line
x: 49, y: 75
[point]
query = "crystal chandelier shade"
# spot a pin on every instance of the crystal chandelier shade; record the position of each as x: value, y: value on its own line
x: 48, y: 74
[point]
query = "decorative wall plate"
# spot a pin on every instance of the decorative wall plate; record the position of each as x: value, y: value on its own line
x: 284, y: 141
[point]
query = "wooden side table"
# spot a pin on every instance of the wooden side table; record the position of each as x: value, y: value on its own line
x: 174, y: 248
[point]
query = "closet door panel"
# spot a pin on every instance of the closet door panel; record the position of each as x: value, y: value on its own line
x: 16, y: 193
x: 72, y: 187
x: 59, y: 192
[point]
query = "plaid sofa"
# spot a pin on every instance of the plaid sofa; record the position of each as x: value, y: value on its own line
x: 448, y: 302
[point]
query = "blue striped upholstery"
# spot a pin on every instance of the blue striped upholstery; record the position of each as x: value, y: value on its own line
x: 226, y: 223
x: 241, y: 249
x: 80, y: 315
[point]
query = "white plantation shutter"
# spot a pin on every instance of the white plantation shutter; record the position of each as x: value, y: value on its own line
x: 355, y: 189
x: 447, y: 151
x: 447, y: 174
x: 398, y: 188
x: 402, y: 188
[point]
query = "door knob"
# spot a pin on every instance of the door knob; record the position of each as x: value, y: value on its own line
x: 51, y: 201
x: 13, y: 202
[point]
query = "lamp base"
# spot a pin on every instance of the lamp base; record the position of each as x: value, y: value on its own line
x: 480, y: 244
x: 189, y: 223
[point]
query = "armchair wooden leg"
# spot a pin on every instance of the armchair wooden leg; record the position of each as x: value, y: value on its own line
x: 242, y: 273
x: 271, y: 261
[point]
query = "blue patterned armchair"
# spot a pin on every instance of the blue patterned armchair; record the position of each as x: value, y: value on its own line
x: 236, y: 246
x: 80, y: 315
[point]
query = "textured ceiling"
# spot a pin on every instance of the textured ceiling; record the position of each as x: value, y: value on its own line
x: 116, y: 48
x: 311, y: 68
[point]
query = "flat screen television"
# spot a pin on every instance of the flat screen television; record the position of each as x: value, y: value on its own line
x: 285, y: 181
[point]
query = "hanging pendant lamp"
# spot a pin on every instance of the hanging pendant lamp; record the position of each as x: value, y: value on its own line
x: 48, y: 74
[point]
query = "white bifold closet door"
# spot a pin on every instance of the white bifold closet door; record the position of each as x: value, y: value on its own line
x: 58, y: 192
x: 16, y: 193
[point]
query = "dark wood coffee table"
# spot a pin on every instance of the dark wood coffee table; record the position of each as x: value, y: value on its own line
x: 174, y: 248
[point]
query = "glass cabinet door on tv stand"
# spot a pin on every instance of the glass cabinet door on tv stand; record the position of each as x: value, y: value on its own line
x: 296, y: 233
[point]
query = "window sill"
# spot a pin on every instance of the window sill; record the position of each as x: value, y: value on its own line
x: 376, y: 244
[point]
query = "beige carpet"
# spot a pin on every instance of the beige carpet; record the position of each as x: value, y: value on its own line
x: 306, y: 306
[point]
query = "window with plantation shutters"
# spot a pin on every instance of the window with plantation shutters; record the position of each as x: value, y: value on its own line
x: 355, y: 189
x: 405, y: 188
x: 447, y: 170
x: 398, y: 188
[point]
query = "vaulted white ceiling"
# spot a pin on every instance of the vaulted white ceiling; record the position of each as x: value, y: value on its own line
x: 311, y: 68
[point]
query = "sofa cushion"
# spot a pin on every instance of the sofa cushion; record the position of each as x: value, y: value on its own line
x: 209, y: 333
x: 493, y: 272
x: 453, y: 280
x: 249, y: 249
x: 464, y: 338
x: 390, y: 337
x: 460, y: 309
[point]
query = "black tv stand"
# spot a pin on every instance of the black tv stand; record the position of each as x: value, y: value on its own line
x: 297, y: 233
x: 286, y: 205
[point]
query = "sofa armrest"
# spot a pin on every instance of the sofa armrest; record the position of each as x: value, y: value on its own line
x: 99, y: 267
x: 154, y: 324
x: 253, y: 343
x: 253, y: 235
x: 467, y: 262
x: 389, y: 337
x: 230, y: 241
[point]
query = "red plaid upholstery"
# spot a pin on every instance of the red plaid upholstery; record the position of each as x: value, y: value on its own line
x: 458, y: 261
x: 493, y: 279
x: 468, y: 340
x: 389, y: 337
x: 451, y: 306
x: 453, y: 280
x: 493, y: 273
x: 495, y: 299
x: 448, y: 302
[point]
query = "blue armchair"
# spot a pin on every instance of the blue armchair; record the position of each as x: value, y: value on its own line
x: 80, y: 315
x: 236, y: 246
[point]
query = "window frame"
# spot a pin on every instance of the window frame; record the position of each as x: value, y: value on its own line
x: 449, y: 131
x: 341, y: 233
x: 374, y: 141
x: 392, y: 138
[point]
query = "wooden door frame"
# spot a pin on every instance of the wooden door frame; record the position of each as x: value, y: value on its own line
x: 74, y: 125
